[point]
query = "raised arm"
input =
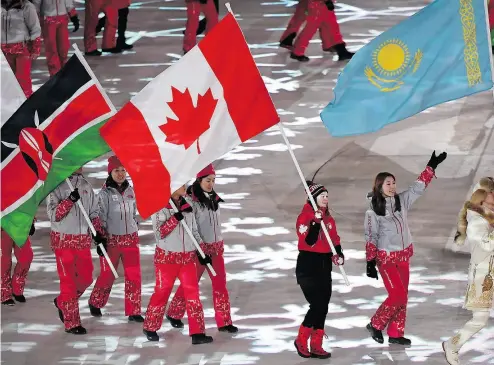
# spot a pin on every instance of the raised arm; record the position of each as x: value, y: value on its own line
x: 409, y: 196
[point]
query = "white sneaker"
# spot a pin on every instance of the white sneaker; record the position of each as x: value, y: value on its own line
x: 450, y: 354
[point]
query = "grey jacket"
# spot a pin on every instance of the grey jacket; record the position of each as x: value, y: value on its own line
x: 47, y: 8
x: 118, y: 211
x: 65, y: 216
x: 391, y: 233
x: 20, y: 25
x: 208, y: 222
x: 170, y: 234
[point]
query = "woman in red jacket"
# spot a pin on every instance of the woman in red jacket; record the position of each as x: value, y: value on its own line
x: 313, y: 271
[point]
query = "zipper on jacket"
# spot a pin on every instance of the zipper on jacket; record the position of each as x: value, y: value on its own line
x: 401, y: 228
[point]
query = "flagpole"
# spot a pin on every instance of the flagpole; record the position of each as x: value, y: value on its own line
x: 311, y: 198
x: 191, y: 235
x: 486, y: 7
x: 81, y: 58
x: 93, y: 231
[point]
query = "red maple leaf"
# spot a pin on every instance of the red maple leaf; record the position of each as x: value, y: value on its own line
x: 192, y: 120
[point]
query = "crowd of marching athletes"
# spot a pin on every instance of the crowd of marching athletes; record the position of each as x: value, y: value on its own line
x: 389, y: 248
x: 26, y: 24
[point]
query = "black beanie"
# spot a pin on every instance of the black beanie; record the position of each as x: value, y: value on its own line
x: 315, y: 189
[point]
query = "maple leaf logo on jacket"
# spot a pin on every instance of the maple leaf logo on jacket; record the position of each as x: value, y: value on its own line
x: 192, y: 120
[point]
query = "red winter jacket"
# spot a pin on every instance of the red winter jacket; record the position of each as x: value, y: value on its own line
x: 306, y: 223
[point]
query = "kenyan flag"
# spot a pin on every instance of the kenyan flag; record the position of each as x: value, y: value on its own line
x: 52, y: 134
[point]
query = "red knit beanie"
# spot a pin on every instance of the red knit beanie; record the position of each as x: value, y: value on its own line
x: 113, y: 163
x: 208, y: 170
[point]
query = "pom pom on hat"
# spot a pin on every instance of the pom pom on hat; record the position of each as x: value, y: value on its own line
x: 113, y: 163
x: 208, y: 170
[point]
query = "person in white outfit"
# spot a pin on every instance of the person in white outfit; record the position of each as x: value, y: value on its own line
x: 476, y: 222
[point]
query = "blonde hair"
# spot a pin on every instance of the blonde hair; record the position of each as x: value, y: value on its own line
x: 475, y: 203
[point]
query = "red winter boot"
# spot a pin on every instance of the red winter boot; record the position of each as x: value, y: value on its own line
x: 301, y: 342
x: 316, y: 349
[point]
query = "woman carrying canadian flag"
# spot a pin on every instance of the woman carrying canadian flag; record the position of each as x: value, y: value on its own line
x: 205, y: 203
x: 175, y: 257
x: 313, y: 271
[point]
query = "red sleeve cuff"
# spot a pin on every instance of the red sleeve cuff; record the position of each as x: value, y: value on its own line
x: 167, y: 227
x: 370, y: 251
x: 63, y: 209
x: 426, y: 175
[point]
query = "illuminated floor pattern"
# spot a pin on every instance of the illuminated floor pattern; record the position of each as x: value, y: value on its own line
x: 263, y: 197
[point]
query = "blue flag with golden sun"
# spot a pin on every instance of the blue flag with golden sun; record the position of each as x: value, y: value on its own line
x: 441, y: 53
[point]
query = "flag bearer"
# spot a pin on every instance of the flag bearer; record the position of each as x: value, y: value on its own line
x: 175, y: 256
x: 205, y: 203
x: 71, y: 243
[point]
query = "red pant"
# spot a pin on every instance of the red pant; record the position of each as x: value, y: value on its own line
x: 75, y: 270
x: 194, y: 8
x: 321, y: 18
x: 393, y: 312
x: 21, y: 66
x: 297, y: 19
x: 132, y: 269
x: 166, y: 274
x: 24, y: 255
x: 56, y: 35
x: 221, y: 300
x: 92, y: 9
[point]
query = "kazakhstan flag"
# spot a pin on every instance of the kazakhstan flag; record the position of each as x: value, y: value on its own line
x: 441, y: 53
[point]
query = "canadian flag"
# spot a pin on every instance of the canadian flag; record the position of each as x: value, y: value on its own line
x: 191, y: 114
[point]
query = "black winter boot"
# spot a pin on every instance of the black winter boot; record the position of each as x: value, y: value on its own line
x: 9, y: 302
x: 201, y: 338
x: 19, y: 298
x: 302, y: 58
x: 136, y: 318
x: 93, y: 53
x: 230, y: 329
x: 176, y: 323
x: 288, y: 41
x: 123, y: 15
x: 79, y: 330
x: 151, y: 335
x: 376, y: 334
x: 340, y: 49
x: 95, y: 312
x: 400, y: 341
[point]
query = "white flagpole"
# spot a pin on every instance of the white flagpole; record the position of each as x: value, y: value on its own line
x: 191, y: 235
x: 311, y: 199
x: 91, y: 227
x: 81, y: 58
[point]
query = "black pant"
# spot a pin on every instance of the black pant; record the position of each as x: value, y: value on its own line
x: 314, y: 277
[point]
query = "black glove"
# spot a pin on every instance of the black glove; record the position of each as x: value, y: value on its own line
x: 436, y: 160
x: 74, y: 196
x: 339, y: 251
x: 75, y: 21
x: 99, y: 239
x: 204, y: 261
x: 371, y: 269
x: 178, y: 216
x: 32, y: 230
x: 330, y: 5
x: 98, y: 249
